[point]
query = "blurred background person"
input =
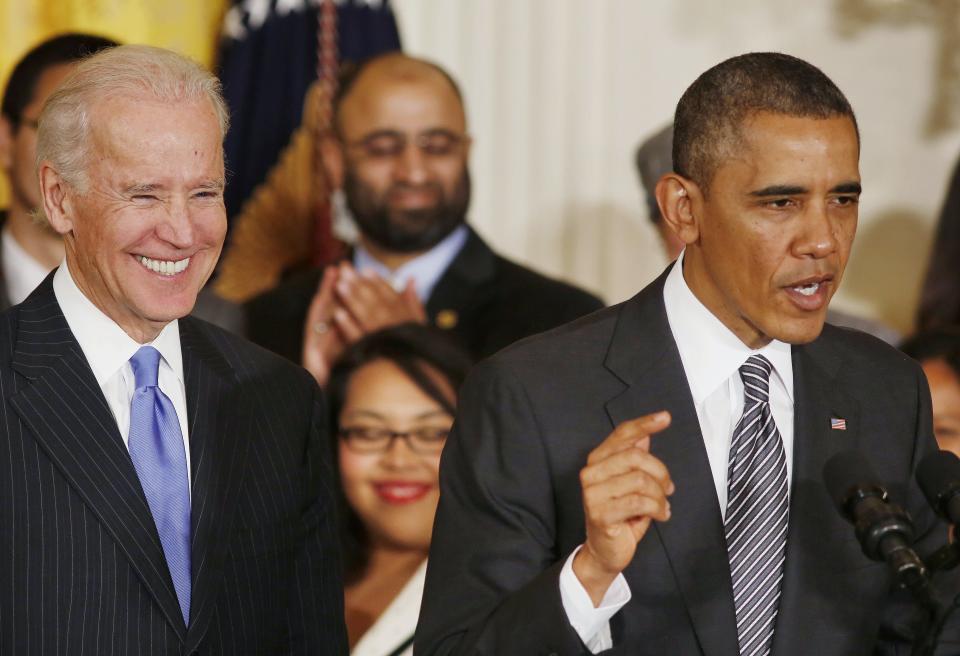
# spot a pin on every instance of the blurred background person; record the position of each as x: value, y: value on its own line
x: 279, y: 65
x: 653, y: 159
x: 392, y: 400
x: 29, y: 247
x: 399, y: 151
x: 939, y: 304
x: 938, y: 352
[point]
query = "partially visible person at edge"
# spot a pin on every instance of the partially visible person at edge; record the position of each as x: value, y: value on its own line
x: 938, y: 352
x: 392, y: 399
x: 29, y: 247
x: 939, y: 305
x: 653, y: 160
x: 165, y: 485
x: 398, y: 155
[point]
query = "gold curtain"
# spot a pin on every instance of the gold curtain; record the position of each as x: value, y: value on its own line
x: 187, y: 26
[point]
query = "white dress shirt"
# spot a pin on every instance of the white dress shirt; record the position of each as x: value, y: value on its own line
x: 711, y: 356
x: 425, y: 270
x: 108, y: 350
x: 21, y: 273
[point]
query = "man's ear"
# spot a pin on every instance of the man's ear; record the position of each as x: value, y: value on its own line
x: 678, y: 197
x: 332, y: 158
x: 6, y: 144
x: 55, y: 199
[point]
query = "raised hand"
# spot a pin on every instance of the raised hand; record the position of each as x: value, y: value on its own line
x: 624, y: 488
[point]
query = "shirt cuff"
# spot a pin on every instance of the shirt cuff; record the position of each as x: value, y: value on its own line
x: 591, y: 623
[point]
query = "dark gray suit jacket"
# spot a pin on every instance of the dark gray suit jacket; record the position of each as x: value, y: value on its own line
x: 81, y: 566
x: 510, y: 508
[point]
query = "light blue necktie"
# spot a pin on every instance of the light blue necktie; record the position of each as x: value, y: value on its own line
x: 156, y: 448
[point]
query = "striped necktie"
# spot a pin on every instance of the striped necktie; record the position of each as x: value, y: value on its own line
x: 156, y: 448
x: 757, y: 508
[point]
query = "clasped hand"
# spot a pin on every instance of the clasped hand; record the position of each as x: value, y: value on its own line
x: 347, y: 306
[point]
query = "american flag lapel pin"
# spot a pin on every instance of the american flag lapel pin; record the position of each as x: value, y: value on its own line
x: 838, y: 424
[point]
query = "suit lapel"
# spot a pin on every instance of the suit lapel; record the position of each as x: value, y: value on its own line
x: 456, y: 292
x: 818, y: 398
x: 644, y: 356
x: 218, y: 453
x: 62, y: 406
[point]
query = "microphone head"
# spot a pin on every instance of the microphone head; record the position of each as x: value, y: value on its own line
x: 938, y: 475
x: 849, y: 477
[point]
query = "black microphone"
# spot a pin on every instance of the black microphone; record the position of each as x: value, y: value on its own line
x: 884, y: 530
x: 939, y: 477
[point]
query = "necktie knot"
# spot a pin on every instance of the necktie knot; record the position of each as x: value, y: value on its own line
x: 146, y: 366
x: 755, y: 374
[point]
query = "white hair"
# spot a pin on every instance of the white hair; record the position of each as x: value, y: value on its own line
x: 63, y: 135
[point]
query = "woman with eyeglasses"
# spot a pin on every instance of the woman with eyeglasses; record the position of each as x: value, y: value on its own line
x: 392, y: 398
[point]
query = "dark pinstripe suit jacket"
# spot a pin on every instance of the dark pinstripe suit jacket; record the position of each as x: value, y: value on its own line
x: 81, y: 566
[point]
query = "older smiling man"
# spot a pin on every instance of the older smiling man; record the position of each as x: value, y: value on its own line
x: 164, y: 487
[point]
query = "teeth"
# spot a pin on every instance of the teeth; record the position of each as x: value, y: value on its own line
x: 164, y: 267
x: 808, y: 290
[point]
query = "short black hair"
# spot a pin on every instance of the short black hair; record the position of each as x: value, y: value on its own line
x: 415, y: 349
x: 61, y: 49
x: 939, y: 344
x: 711, y: 112
x: 350, y: 72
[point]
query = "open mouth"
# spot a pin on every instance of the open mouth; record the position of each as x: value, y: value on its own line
x: 807, y: 290
x: 164, y: 267
x: 810, y: 294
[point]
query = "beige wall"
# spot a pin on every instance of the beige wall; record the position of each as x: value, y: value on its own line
x: 559, y: 92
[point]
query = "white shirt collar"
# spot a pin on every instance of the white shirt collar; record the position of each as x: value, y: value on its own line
x: 425, y: 269
x: 104, y: 343
x: 710, y: 352
x: 21, y: 272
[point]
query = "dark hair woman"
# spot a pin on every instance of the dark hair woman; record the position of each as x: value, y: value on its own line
x: 392, y: 398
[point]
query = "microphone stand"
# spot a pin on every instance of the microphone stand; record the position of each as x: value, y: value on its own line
x: 945, y: 558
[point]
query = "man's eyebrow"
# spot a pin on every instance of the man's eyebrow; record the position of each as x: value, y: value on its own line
x: 778, y: 190
x: 141, y: 188
x: 847, y: 188
x: 216, y: 185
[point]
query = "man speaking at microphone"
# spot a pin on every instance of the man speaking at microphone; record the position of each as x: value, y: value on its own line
x: 647, y: 480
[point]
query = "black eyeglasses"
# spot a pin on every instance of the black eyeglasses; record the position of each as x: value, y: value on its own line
x: 389, y: 144
x: 366, y: 439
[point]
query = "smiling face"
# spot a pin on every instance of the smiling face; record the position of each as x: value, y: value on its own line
x: 402, y: 156
x: 144, y: 237
x: 395, y: 492
x: 767, y: 245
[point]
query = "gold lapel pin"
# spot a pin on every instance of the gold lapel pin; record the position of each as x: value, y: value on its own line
x: 447, y: 319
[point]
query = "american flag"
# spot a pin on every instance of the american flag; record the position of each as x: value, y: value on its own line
x: 838, y: 424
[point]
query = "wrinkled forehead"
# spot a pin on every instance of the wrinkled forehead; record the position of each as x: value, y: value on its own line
x: 144, y: 121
